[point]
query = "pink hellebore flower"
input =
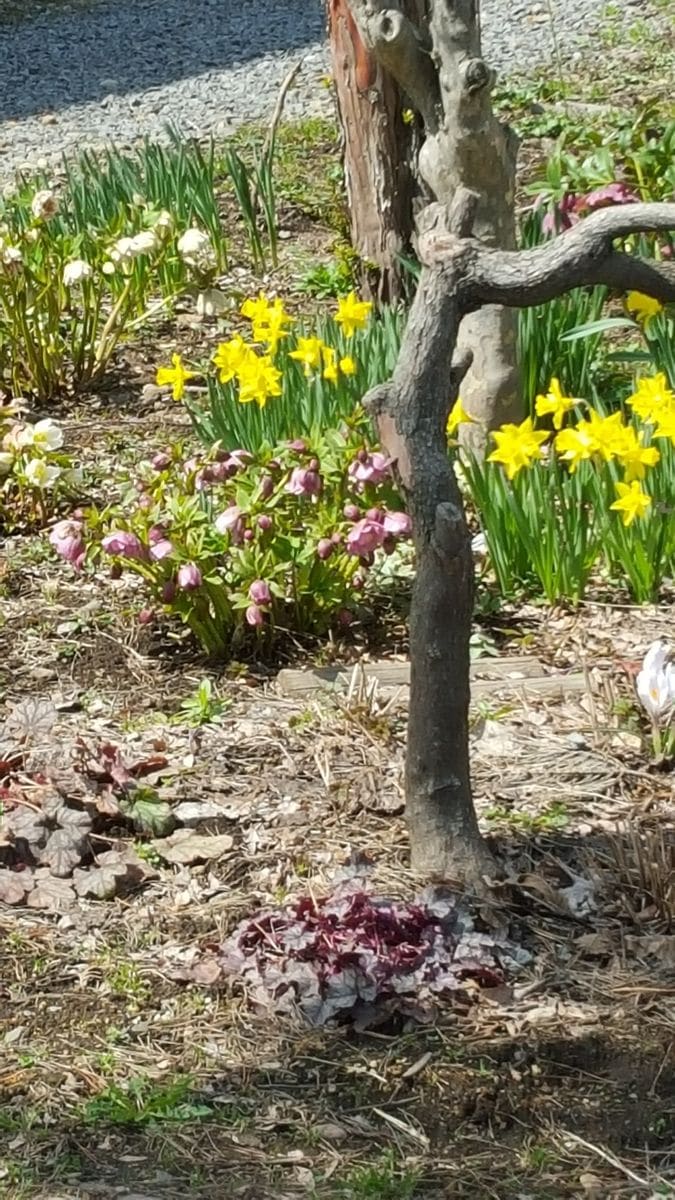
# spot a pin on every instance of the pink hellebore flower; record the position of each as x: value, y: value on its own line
x: 259, y: 592
x: 161, y: 549
x: 240, y: 458
x: 161, y: 461
x: 324, y: 548
x: 189, y: 577
x: 562, y: 216
x: 255, y: 616
x: 369, y: 468
x: 398, y: 523
x: 126, y: 545
x: 365, y: 536
x: 68, y: 542
x: 604, y: 197
x: 352, y: 512
x: 231, y: 521
x: 264, y: 522
x: 304, y: 482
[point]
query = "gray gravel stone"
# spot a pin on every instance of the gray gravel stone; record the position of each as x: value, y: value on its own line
x: 82, y: 74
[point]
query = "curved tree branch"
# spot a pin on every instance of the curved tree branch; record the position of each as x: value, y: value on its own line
x: 582, y: 256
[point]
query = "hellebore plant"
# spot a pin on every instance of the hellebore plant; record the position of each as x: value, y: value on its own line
x: 36, y: 473
x: 230, y: 540
x: 655, y: 685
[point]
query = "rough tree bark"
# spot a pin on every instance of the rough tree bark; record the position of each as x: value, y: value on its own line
x: 378, y: 155
x: 460, y: 275
x: 431, y: 48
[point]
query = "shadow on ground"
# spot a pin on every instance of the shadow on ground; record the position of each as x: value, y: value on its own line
x: 57, y: 55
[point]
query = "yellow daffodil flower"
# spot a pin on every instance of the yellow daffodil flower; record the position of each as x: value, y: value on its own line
x: 642, y: 308
x: 651, y: 398
x: 554, y: 404
x: 175, y: 375
x: 666, y: 424
x: 258, y: 380
x: 269, y: 320
x: 330, y: 366
x: 309, y: 351
x: 347, y: 365
x: 231, y: 357
x: 458, y: 416
x: 632, y: 501
x: 633, y: 455
x: 518, y: 446
x: 575, y: 445
x: 352, y: 314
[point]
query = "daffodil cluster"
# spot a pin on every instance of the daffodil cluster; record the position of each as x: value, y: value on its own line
x: 557, y: 498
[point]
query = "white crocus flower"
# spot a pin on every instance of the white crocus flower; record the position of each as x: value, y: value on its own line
x: 40, y: 474
x: 656, y: 683
x: 75, y: 271
x: 196, y: 250
x: 44, y: 205
x: 44, y: 435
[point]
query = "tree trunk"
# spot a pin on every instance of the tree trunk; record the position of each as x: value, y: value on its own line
x: 459, y: 276
x: 432, y: 49
x: 378, y: 156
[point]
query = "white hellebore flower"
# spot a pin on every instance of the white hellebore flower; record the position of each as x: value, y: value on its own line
x: 76, y: 271
x: 40, y: 474
x: 44, y: 205
x: 164, y: 222
x: 6, y: 462
x: 656, y: 682
x: 196, y: 250
x: 211, y: 303
x: 124, y: 251
x: 44, y: 435
x: 11, y: 258
x: 145, y: 242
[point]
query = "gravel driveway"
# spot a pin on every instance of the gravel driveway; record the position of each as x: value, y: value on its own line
x: 80, y: 73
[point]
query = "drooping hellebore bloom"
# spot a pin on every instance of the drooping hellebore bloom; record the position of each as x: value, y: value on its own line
x: 231, y: 522
x: 67, y: 540
x: 324, y: 548
x: 124, y: 544
x: 655, y: 683
x: 259, y: 592
x: 255, y: 616
x: 304, y: 482
x: 398, y: 523
x: 365, y: 537
x: 369, y: 468
x: 161, y: 549
x: 189, y: 577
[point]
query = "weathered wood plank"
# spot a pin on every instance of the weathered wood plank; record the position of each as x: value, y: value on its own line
x: 488, y: 675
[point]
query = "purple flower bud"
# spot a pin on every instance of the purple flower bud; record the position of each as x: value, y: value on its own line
x: 313, y: 464
x: 352, y: 512
x: 298, y: 445
x: 254, y: 615
x: 365, y: 537
x: 264, y: 522
x: 375, y: 514
x: 127, y: 545
x: 274, y: 465
x: 336, y: 538
x: 168, y: 592
x: 189, y: 577
x: 156, y: 533
x: 325, y: 548
x: 248, y: 535
x: 266, y: 487
x: 146, y: 616
x: 161, y: 549
x: 68, y: 542
x: 398, y: 523
x: 116, y: 570
x: 145, y: 502
x: 259, y: 592
x: 161, y: 461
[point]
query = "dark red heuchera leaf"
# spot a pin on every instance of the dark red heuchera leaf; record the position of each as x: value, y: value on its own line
x: 361, y: 957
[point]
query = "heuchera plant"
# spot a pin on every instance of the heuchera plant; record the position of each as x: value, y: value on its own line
x: 360, y: 957
x: 228, y: 539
